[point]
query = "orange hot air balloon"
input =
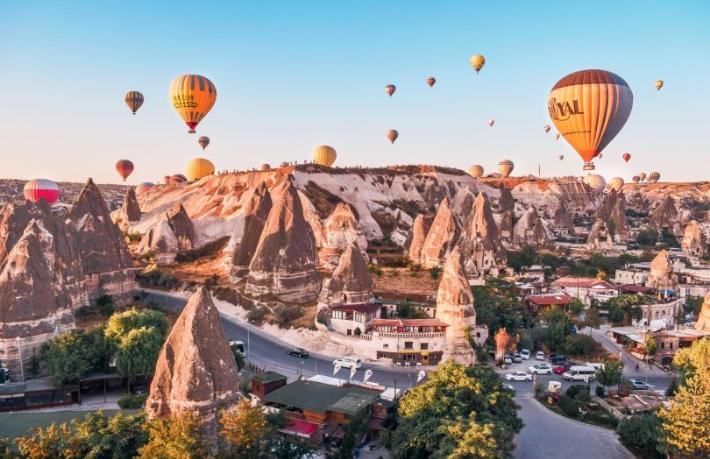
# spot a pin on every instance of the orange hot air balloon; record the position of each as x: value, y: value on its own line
x: 477, y: 62
x: 192, y: 96
x: 124, y: 168
x: 325, y: 155
x: 392, y: 135
x: 203, y: 141
x: 431, y: 81
x: 390, y: 89
x: 134, y: 100
x: 589, y: 108
x: 627, y: 157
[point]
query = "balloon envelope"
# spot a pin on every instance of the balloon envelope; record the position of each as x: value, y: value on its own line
x: 324, y: 155
x: 627, y: 157
x: 658, y: 84
x: 589, y: 108
x: 203, y: 141
x: 635, y: 179
x: 477, y: 62
x: 596, y: 182
x: 642, y: 176
x: 491, y: 122
x: 616, y: 183
x: 431, y: 81
x: 134, y: 100
x: 145, y: 186
x: 475, y: 171
x: 390, y: 89
x: 38, y: 189
x: 192, y: 96
x: 198, y: 168
x: 124, y: 168
x: 654, y: 177
x: 562, y: 157
x: 392, y: 135
x: 505, y: 167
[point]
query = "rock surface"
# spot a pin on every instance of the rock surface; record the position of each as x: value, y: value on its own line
x: 703, y: 322
x: 256, y: 211
x: 665, y: 215
x: 340, y: 229
x: 285, y: 260
x: 181, y: 225
x: 563, y: 221
x: 530, y: 231
x: 351, y: 282
x: 196, y: 371
x: 599, y: 236
x: 130, y: 211
x: 661, y: 275
x: 454, y: 307
x: 419, y: 232
x: 694, y: 242
x: 442, y: 236
x: 480, y: 245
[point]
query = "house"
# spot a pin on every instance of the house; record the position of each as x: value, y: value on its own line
x: 353, y: 319
x: 557, y: 300
x: 633, y: 273
x: 265, y: 383
x: 585, y: 288
x: 668, y: 341
x: 409, y: 340
x: 36, y: 393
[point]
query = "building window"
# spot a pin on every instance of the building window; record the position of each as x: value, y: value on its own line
x: 663, y: 345
x: 408, y: 345
x: 670, y: 345
x: 350, y: 332
x: 385, y: 346
x: 424, y: 346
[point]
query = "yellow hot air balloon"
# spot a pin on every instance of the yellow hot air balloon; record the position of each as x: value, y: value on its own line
x: 198, y: 168
x: 324, y: 155
x: 192, y: 96
x: 475, y: 171
x: 658, y: 84
x: 477, y: 62
x: 642, y: 176
x: 505, y: 167
x: 589, y: 108
x: 616, y: 183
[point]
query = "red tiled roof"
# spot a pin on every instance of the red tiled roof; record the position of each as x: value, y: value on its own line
x: 299, y: 427
x: 408, y: 323
x: 550, y: 299
x: 582, y: 282
x: 365, y: 308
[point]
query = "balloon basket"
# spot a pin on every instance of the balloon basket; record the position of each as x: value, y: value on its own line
x: 588, y: 166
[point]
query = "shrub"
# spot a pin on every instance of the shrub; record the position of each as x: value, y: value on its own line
x: 155, y: 278
x: 132, y: 401
x: 257, y: 315
x: 574, y: 390
x: 641, y: 433
x: 602, y: 417
x: 435, y: 272
x: 568, y: 406
x: 579, y: 345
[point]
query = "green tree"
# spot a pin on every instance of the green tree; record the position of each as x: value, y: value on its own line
x: 592, y: 319
x: 121, y: 323
x: 176, y: 438
x: 641, y: 433
x: 456, y: 410
x: 686, y: 425
x: 610, y: 373
x: 138, y: 352
x: 651, y: 346
x: 6, y: 451
x: 647, y: 238
x: 692, y: 305
x: 66, y: 358
x: 245, y: 430
x: 498, y: 306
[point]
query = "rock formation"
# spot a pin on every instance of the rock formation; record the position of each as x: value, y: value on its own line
x: 182, y: 227
x: 196, y: 371
x: 256, y: 210
x: 173, y: 233
x: 418, y: 236
x: 480, y: 245
x: 661, y: 275
x: 694, y: 242
x: 529, y: 230
x: 600, y: 236
x: 665, y: 215
x: 130, y: 211
x: 703, y: 322
x: 454, y: 307
x: 285, y: 260
x: 504, y: 215
x: 462, y: 203
x: 563, y: 221
x: 351, y: 282
x: 442, y: 236
x: 341, y: 229
x: 617, y: 219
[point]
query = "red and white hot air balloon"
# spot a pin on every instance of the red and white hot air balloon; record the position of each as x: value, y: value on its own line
x: 38, y: 189
x: 145, y: 186
x: 390, y: 89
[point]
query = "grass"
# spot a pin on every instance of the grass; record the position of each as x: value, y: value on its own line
x: 14, y: 425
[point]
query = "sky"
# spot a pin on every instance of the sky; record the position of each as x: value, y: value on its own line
x: 291, y: 75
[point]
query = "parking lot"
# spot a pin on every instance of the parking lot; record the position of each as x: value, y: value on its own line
x: 526, y: 387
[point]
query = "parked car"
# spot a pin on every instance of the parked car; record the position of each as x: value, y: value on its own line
x: 539, y: 355
x: 509, y: 387
x: 554, y: 357
x: 298, y: 352
x: 348, y: 362
x: 517, y: 358
x: 640, y: 385
x: 518, y: 376
x: 508, y: 359
x: 525, y: 354
x: 540, y: 369
x: 559, y: 369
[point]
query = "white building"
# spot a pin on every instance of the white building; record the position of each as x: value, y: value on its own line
x: 584, y: 288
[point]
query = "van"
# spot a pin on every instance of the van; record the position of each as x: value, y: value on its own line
x: 579, y: 373
x: 348, y: 362
x: 596, y: 366
x: 238, y: 346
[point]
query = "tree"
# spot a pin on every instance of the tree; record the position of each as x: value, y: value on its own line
x: 245, y: 429
x: 641, y: 433
x: 66, y: 359
x: 693, y: 359
x: 498, y: 306
x: 647, y: 237
x: 454, y: 411
x: 692, y: 305
x: 121, y: 323
x: 6, y: 451
x: 651, y: 346
x: 238, y: 357
x: 138, y: 352
x: 175, y: 438
x: 610, y: 373
x: 686, y: 425
x: 592, y: 319
x: 54, y: 441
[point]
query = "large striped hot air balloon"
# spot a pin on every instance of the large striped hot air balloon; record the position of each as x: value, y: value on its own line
x: 589, y: 108
x: 506, y: 167
x: 134, y: 100
x: 596, y: 182
x: 203, y: 141
x: 192, y: 96
x: 392, y: 135
x: 124, y: 168
x: 616, y: 183
x: 475, y: 171
x: 198, y: 168
x: 38, y: 189
x: 324, y: 155
x: 145, y: 186
x: 654, y: 177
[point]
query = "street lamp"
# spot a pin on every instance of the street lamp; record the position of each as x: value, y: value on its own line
x: 19, y: 348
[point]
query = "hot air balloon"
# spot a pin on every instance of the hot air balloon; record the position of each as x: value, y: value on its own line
x: 557, y: 137
x: 203, y: 141
x: 616, y: 183
x: 491, y: 122
x: 390, y: 89
x: 547, y: 128
x: 145, y: 186
x: 505, y: 167
x: 431, y: 81
x: 124, y: 168
x: 265, y: 167
x: 177, y: 178
x: 192, y: 96
x: 324, y: 155
x: 589, y: 108
x: 635, y: 179
x: 475, y: 171
x: 166, y: 179
x: 626, y: 156
x: 600, y: 155
x: 477, y: 62
x: 283, y: 164
x: 38, y: 189
x: 596, y: 182
x: 658, y: 84
x: 654, y: 177
x: 562, y: 157
x: 198, y: 168
x: 392, y: 135
x: 134, y: 100
x: 642, y: 176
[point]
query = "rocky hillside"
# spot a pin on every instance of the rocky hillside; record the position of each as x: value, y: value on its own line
x: 11, y: 190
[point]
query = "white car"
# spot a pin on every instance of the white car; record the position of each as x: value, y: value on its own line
x: 347, y: 362
x: 518, y: 376
x: 539, y: 355
x: 540, y: 369
x: 525, y: 354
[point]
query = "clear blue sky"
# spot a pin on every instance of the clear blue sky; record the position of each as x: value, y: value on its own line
x: 294, y: 74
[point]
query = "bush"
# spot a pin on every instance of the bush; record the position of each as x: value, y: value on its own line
x: 568, y: 406
x: 132, y: 401
x: 257, y: 315
x: 435, y: 272
x: 579, y: 345
x: 603, y: 418
x: 641, y: 432
x: 155, y: 278
x: 574, y: 390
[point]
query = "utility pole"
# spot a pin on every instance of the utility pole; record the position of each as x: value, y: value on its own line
x: 22, y: 368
